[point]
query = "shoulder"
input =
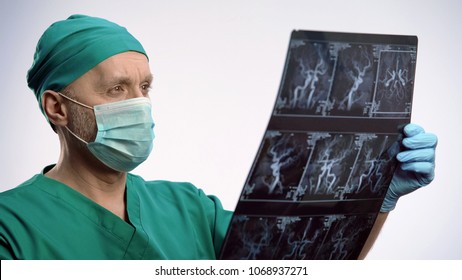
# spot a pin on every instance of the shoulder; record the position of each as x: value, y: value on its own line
x: 22, y: 192
x: 173, y: 194
x: 164, y: 188
x: 18, y: 209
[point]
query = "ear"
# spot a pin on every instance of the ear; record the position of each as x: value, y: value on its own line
x: 54, y: 108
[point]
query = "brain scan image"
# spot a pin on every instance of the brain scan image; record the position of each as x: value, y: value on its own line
x: 328, y: 154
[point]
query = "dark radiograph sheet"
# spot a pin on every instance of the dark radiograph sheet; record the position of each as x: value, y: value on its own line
x: 328, y: 154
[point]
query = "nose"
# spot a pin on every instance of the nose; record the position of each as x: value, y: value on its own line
x: 136, y: 92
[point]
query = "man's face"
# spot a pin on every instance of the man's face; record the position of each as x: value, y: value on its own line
x: 120, y: 77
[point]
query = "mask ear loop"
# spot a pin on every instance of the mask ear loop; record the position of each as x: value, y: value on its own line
x: 78, y: 103
x: 75, y: 135
x: 75, y: 101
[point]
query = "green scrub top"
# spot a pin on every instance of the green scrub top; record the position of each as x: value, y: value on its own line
x: 45, y: 219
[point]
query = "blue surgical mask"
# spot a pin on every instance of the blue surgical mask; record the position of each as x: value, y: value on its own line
x: 125, y: 132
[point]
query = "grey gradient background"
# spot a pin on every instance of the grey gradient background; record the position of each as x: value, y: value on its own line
x: 217, y: 68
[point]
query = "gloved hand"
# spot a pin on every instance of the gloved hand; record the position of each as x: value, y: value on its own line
x: 416, y: 168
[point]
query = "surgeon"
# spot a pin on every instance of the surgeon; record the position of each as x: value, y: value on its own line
x: 91, y: 78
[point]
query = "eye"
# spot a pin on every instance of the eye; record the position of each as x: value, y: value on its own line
x: 146, y: 88
x: 116, y: 90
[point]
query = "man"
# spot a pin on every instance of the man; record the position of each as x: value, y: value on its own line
x: 92, y: 78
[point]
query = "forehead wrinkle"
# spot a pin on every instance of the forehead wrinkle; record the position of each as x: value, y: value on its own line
x: 125, y: 79
x: 103, y: 78
x: 123, y: 69
x: 103, y: 83
x: 121, y: 80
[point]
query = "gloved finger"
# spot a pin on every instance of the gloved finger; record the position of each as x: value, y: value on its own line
x: 419, y: 167
x: 419, y: 141
x: 413, y: 129
x: 427, y: 155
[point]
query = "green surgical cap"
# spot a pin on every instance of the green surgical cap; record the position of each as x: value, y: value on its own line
x: 70, y: 48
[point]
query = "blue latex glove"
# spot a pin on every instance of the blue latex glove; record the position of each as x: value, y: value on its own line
x: 416, y: 168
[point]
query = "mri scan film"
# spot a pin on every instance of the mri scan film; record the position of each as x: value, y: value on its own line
x: 328, y: 154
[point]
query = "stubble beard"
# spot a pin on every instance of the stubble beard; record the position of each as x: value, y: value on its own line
x: 82, y: 123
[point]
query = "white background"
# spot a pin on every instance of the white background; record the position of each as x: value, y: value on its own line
x: 217, y: 68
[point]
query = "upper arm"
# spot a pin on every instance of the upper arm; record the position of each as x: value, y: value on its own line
x: 5, y: 250
x: 219, y: 219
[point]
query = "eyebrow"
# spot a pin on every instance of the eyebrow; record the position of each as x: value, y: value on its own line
x: 124, y: 80
x: 149, y: 78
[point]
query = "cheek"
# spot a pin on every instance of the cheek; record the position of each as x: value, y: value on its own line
x: 83, y: 123
x: 91, y: 127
